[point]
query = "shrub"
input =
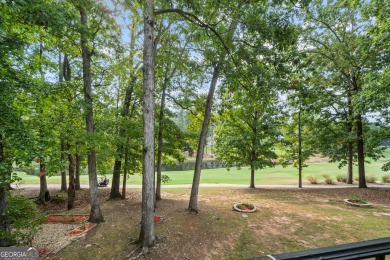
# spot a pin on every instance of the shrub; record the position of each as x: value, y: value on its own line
x: 24, y: 218
x: 312, y: 179
x: 328, y: 179
x: 386, y: 178
x: 341, y: 178
x: 60, y: 197
x: 370, y: 179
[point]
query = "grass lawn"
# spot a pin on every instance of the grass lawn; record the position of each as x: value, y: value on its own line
x: 277, y: 175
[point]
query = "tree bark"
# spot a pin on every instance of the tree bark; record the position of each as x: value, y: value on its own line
x: 193, y: 205
x: 42, y: 184
x: 60, y: 79
x: 350, y: 163
x: 63, y: 173
x: 160, y: 141
x: 4, y: 225
x: 125, y: 173
x: 71, y: 189
x: 116, y: 174
x: 78, y: 163
x: 299, y: 148
x: 350, y: 144
x: 360, y: 151
x: 252, y: 184
x: 96, y: 215
x: 147, y: 234
x: 359, y: 140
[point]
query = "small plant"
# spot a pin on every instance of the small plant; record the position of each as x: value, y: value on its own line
x: 72, y: 217
x: 356, y: 199
x: 386, y: 178
x: 83, y: 224
x: 165, y: 178
x: 59, y: 198
x: 245, y: 206
x: 312, y: 179
x: 25, y: 220
x: 328, y: 179
x: 370, y: 179
x: 341, y: 178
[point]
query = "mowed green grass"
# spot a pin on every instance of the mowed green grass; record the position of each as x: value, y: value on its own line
x: 270, y: 176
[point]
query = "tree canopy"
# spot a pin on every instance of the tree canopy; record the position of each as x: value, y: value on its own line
x: 98, y: 83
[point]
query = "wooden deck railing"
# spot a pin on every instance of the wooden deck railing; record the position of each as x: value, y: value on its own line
x: 377, y: 248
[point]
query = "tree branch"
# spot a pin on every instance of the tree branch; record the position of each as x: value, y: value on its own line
x: 180, y: 105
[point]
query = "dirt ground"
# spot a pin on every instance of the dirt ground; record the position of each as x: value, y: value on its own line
x: 287, y: 220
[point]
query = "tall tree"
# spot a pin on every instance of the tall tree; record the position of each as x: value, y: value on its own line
x: 169, y: 77
x: 72, y: 188
x: 129, y: 81
x: 217, y: 67
x: 63, y: 172
x: 19, y: 26
x: 247, y: 132
x: 334, y: 30
x: 63, y: 156
x: 377, y: 14
x: 147, y: 234
x: 96, y: 215
x: 4, y: 225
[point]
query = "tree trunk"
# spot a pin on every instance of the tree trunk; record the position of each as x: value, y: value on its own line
x: 116, y: 174
x: 63, y: 173
x: 350, y: 163
x: 252, y: 185
x: 360, y: 151
x: 44, y: 195
x: 193, y: 205
x: 9, y: 187
x: 350, y: 143
x: 147, y: 234
x: 60, y: 79
x: 4, y: 226
x: 78, y: 163
x: 71, y: 190
x: 125, y: 173
x: 359, y: 140
x: 96, y: 215
x: 160, y: 142
x: 67, y: 74
x: 299, y: 148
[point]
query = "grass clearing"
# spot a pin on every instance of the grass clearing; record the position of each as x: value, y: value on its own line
x: 271, y: 176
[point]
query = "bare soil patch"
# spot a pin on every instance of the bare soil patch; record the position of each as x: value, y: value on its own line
x: 288, y: 219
